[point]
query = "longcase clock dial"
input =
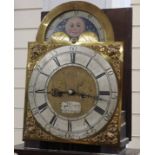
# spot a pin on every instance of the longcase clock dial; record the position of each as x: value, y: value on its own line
x: 73, y: 92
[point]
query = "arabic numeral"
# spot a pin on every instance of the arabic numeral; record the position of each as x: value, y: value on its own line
x: 114, y: 95
x: 109, y: 71
x: 107, y: 116
x: 35, y: 111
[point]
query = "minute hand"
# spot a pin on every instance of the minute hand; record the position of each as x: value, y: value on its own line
x: 53, y: 92
x: 82, y: 95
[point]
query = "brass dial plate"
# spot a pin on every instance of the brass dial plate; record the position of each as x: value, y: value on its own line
x: 66, y: 68
x: 73, y: 82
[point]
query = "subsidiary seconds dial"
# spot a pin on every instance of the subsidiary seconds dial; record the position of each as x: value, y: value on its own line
x: 73, y: 92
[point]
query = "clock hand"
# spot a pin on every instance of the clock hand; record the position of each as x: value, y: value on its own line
x: 57, y: 93
x: 82, y: 95
x: 53, y: 92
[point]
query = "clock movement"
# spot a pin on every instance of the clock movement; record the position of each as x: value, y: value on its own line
x: 74, y: 80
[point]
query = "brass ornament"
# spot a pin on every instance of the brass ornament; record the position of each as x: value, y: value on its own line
x: 62, y: 38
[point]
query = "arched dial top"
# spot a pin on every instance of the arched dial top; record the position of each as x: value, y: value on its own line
x: 73, y: 92
x: 75, y: 21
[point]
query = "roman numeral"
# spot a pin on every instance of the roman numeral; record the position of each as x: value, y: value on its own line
x: 42, y: 107
x: 73, y: 48
x: 99, y: 110
x: 44, y: 74
x: 72, y: 57
x: 90, y: 60
x: 53, y: 120
x: 40, y: 91
x: 39, y: 69
x: 69, y: 126
x: 100, y: 75
x: 104, y: 92
x: 87, y: 123
x: 56, y: 61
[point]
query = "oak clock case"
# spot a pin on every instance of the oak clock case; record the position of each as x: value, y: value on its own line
x: 73, y: 83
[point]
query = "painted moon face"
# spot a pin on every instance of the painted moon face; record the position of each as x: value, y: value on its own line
x: 75, y: 26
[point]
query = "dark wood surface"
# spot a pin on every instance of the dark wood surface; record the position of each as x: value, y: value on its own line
x: 121, y: 20
x: 21, y: 150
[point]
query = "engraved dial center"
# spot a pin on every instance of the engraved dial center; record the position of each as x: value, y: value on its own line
x: 71, y: 92
x: 71, y: 84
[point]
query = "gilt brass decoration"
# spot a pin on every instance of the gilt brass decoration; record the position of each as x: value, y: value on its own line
x: 113, y: 52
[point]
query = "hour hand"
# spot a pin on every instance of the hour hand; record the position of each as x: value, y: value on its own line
x: 53, y: 92
x: 57, y: 93
x: 82, y: 95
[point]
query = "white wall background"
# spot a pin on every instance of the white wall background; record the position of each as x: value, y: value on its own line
x: 27, y: 20
x: 49, y: 4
